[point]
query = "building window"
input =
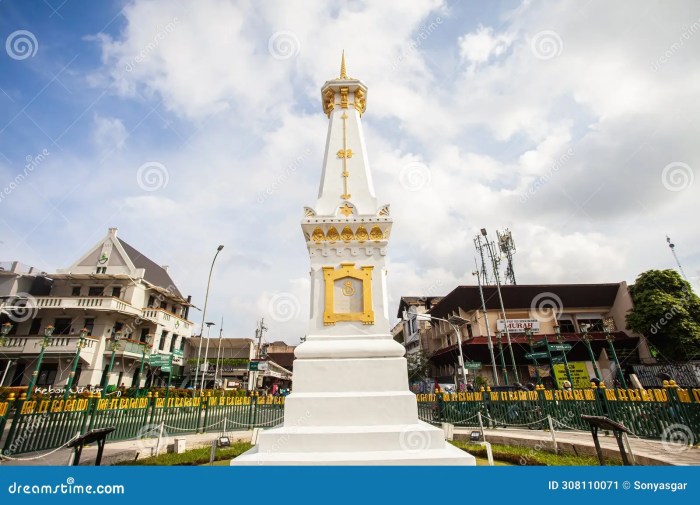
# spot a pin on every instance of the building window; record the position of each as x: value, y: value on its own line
x: 95, y: 291
x: 151, y: 301
x: 47, y: 375
x: 566, y: 326
x: 594, y: 325
x: 173, y: 341
x: 75, y: 291
x: 62, y: 326
x: 35, y: 326
x: 101, y: 270
x: 89, y: 325
x: 144, y: 332
x: 163, y: 337
x: 116, y: 292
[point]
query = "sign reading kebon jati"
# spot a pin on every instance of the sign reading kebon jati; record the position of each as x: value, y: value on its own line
x: 518, y: 325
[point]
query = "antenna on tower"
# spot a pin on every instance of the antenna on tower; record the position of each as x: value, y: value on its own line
x: 507, y: 248
x: 482, y: 270
x: 672, y: 246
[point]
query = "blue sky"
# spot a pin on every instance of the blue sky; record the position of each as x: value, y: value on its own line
x: 187, y: 125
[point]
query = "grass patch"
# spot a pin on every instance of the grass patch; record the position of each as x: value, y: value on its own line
x: 190, y: 458
x: 528, y: 456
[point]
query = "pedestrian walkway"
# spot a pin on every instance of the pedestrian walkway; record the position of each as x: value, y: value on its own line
x: 123, y: 450
x: 646, y: 452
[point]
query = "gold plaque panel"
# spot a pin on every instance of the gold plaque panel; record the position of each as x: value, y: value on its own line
x: 348, y: 294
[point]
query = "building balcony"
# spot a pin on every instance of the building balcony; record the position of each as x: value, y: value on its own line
x: 97, y: 303
x: 19, y: 345
x: 169, y: 321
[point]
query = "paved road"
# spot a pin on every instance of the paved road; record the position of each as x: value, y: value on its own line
x: 646, y: 452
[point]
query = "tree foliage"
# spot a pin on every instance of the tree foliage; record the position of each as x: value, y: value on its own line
x: 418, y: 366
x: 667, y: 312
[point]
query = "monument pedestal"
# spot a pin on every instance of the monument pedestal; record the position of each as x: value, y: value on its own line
x: 352, y: 411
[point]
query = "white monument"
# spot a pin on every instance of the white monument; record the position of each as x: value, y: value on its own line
x: 350, y: 403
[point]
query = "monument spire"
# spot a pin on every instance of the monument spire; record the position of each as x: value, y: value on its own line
x: 343, y: 72
x: 346, y: 180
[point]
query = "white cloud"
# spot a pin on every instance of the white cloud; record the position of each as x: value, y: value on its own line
x: 109, y: 133
x: 479, y: 46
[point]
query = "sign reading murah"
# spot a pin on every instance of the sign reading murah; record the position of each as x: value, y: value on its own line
x: 519, y: 325
x: 348, y: 294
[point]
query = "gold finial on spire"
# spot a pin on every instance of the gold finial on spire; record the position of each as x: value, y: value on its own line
x: 343, y: 72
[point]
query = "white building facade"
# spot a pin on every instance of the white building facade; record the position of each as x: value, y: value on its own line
x: 127, y: 303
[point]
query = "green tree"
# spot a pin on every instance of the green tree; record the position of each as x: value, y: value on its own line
x: 667, y: 312
x: 418, y: 366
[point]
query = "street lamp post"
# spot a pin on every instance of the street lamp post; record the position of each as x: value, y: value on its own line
x: 528, y: 335
x: 204, y: 315
x: 145, y: 351
x: 566, y: 361
x: 206, y: 356
x: 500, y: 299
x: 428, y: 317
x: 218, y: 353
x: 4, y: 331
x: 48, y: 331
x: 114, y: 346
x: 587, y: 340
x: 80, y: 345
x: 610, y: 339
x: 499, y: 334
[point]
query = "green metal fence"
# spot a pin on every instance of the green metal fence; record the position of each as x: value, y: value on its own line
x: 43, y: 424
x: 654, y: 413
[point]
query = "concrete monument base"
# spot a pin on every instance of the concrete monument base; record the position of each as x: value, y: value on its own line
x: 352, y: 411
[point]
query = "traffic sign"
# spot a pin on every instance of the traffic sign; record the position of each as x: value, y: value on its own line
x: 557, y: 359
x: 536, y: 355
x: 472, y: 365
x: 559, y: 347
x: 540, y: 343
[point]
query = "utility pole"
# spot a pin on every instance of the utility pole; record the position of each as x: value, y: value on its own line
x: 672, y: 246
x: 486, y: 321
x: 495, y: 260
x: 253, y: 375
